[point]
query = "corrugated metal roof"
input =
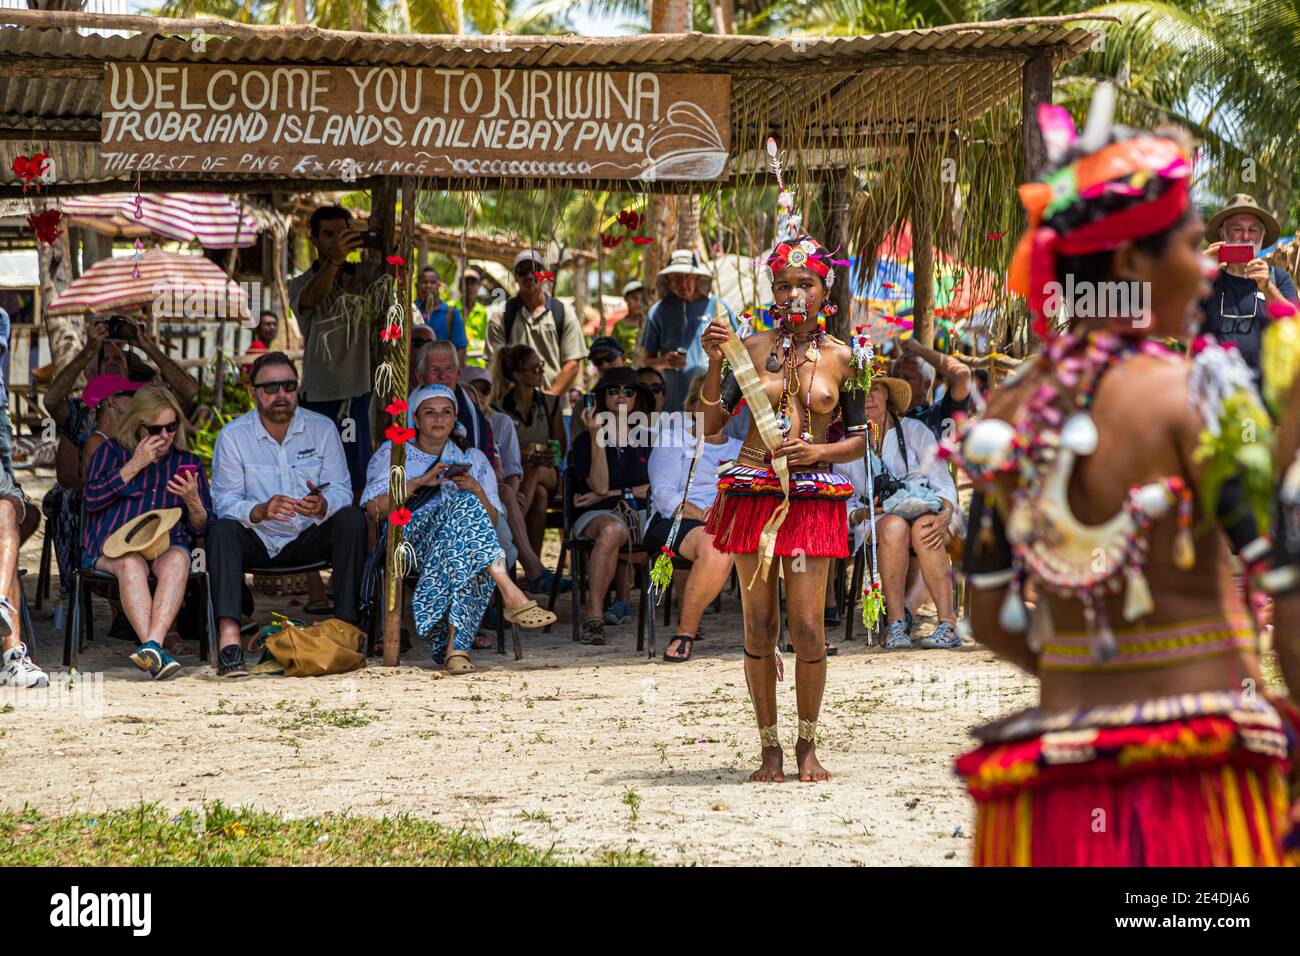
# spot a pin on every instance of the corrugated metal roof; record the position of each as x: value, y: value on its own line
x: 933, y: 78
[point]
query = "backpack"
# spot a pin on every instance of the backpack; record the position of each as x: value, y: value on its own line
x: 557, y: 313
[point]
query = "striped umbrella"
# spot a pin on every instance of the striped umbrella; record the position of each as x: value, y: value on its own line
x: 170, y: 284
x: 210, y: 219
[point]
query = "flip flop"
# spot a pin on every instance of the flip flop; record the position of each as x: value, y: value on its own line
x: 530, y: 617
x: 679, y: 639
x: 458, y: 662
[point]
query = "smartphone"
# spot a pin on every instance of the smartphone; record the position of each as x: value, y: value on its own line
x: 372, y: 240
x: 456, y: 470
x: 1236, y: 252
x: 186, y: 470
x: 589, y: 402
x: 317, y: 490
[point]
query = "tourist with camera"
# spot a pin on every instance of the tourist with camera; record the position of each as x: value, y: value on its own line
x: 915, y: 498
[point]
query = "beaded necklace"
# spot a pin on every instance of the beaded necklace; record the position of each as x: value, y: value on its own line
x: 787, y: 341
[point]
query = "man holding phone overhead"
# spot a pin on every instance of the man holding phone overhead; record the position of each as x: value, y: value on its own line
x: 1246, y: 285
x: 283, y: 497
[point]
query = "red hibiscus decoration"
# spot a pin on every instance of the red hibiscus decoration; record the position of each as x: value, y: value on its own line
x: 610, y: 242
x: 399, y: 434
x: 629, y: 220
x: 395, y: 261
x: 400, y: 518
x: 544, y: 276
x: 46, y: 225
x: 391, y: 334
x: 643, y: 240
x: 30, y: 169
x: 886, y: 285
x: 1280, y: 310
x: 397, y: 406
x: 996, y: 235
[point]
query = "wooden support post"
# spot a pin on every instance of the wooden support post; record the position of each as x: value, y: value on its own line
x: 1035, y: 88
x: 398, y: 355
x: 922, y: 257
x: 580, y: 292
x: 836, y: 198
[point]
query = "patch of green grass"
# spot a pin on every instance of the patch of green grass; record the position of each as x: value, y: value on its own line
x: 632, y: 800
x: 302, y: 717
x: 150, y: 835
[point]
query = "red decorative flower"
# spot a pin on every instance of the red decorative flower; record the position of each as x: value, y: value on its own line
x: 391, y: 334
x: 395, y: 261
x: 996, y: 235
x: 886, y: 285
x: 643, y: 240
x: 1280, y: 310
x: 400, y: 518
x: 397, y: 406
x: 668, y: 551
x: 46, y: 225
x: 30, y: 169
x: 629, y: 220
x: 544, y: 276
x: 610, y: 242
x: 399, y: 434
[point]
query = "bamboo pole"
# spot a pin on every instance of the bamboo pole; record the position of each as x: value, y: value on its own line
x: 922, y: 256
x: 398, y: 357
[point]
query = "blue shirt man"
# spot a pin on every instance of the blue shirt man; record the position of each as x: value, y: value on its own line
x: 445, y: 320
x: 671, y: 337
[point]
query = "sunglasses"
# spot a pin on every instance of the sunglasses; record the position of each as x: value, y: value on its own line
x: 601, y: 359
x: 127, y: 395
x: 273, y: 388
x: 169, y: 428
x: 627, y: 391
x: 655, y: 389
x: 483, y: 388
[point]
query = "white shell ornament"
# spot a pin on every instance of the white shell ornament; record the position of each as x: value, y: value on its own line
x: 1152, y: 500
x: 988, y: 441
x: 1080, y: 434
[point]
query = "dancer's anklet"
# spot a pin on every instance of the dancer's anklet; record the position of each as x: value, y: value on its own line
x: 820, y: 660
x: 808, y: 730
x: 755, y: 657
x: 768, y: 736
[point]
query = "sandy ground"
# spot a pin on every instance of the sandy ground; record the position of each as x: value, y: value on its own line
x: 583, y: 748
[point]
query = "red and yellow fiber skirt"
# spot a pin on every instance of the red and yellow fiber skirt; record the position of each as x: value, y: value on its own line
x: 816, y: 524
x: 1204, y: 783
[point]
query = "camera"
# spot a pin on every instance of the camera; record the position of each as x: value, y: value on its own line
x: 884, y: 487
x: 120, y: 328
x: 372, y: 240
x: 589, y: 402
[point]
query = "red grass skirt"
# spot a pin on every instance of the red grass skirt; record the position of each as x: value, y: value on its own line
x: 1207, y: 790
x: 816, y: 524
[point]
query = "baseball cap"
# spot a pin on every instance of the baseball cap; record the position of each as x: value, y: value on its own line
x: 473, y: 373
x: 529, y: 255
x: 605, y: 343
x: 102, y: 386
x: 631, y: 287
x: 471, y: 273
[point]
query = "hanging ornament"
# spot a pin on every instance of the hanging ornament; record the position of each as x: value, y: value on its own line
x: 1013, y: 617
x: 642, y: 240
x: 399, y: 434
x: 30, y: 169
x: 397, y: 406
x: 46, y: 225
x: 137, y: 257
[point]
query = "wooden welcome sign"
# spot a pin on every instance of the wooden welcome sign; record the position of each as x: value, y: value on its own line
x: 393, y: 121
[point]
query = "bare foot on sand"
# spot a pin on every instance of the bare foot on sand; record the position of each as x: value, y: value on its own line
x: 810, y: 769
x: 770, y: 770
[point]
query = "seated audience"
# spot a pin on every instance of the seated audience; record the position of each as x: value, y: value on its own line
x: 670, y: 463
x: 909, y: 452
x: 146, y: 468
x: 108, y: 397
x: 437, y: 364
x: 609, y: 494
x: 282, y: 496
x: 538, y: 422
x: 452, y: 498
x: 538, y: 577
x: 605, y: 353
x: 17, y: 669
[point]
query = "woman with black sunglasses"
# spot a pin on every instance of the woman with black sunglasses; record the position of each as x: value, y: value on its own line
x: 609, y: 465
x: 653, y: 379
x: 146, y: 467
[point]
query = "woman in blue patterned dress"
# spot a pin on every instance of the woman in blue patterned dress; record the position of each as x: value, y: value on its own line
x: 452, y: 529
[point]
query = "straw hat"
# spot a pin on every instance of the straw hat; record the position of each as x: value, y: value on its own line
x: 900, y: 393
x: 147, y: 535
x: 682, y: 262
x: 1243, y: 203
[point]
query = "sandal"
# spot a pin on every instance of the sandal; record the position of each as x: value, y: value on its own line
x: 530, y: 617
x: 483, y: 642
x: 458, y: 662
x: 680, y: 639
x: 541, y: 584
x: 593, y: 632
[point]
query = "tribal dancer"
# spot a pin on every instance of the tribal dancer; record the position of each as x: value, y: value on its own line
x: 1111, y: 477
x: 781, y: 503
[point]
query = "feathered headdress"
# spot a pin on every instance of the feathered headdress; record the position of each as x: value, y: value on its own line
x: 792, y: 248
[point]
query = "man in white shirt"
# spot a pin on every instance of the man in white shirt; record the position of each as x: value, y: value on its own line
x: 282, y: 496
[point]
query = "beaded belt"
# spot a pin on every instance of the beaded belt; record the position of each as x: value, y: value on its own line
x: 1138, y: 647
